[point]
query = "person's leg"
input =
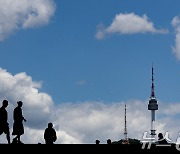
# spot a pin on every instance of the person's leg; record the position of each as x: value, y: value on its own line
x: 18, y: 138
x: 15, y: 138
x: 1, y: 131
x: 8, y: 137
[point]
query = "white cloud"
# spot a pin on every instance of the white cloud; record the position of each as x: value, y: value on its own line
x: 172, y: 109
x: 80, y: 122
x: 35, y: 136
x: 81, y: 82
x: 128, y: 24
x: 15, y: 14
x: 176, y: 24
x: 89, y: 121
x: 37, y: 106
x: 176, y: 21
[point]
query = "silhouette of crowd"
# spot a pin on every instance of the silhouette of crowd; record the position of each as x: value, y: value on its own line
x: 18, y: 127
x: 49, y: 134
x: 108, y: 141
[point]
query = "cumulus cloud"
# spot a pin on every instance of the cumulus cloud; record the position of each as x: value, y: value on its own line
x: 15, y: 14
x: 17, y: 87
x: 89, y: 121
x: 176, y: 24
x: 81, y: 82
x: 80, y: 122
x: 128, y: 23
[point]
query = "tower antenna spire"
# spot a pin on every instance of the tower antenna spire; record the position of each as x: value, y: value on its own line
x: 152, y: 87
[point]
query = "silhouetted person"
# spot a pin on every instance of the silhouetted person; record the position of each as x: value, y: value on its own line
x: 50, y: 134
x: 108, y: 141
x: 161, y: 139
x: 4, y: 125
x: 97, y: 142
x: 18, y: 128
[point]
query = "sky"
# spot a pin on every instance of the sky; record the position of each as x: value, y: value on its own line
x: 77, y: 62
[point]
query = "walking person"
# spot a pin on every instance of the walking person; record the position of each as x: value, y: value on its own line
x: 18, y: 128
x: 4, y: 125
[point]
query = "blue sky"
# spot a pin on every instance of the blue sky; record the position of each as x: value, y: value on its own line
x: 65, y: 52
x: 84, y: 52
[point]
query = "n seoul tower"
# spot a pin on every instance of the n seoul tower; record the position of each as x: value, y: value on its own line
x: 153, y: 106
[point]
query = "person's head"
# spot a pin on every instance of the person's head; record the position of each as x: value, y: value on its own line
x: 50, y: 125
x: 160, y: 136
x: 108, y: 141
x: 19, y: 103
x: 97, y: 141
x: 5, y: 103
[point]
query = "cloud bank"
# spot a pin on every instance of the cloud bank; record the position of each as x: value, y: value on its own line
x: 84, y: 122
x: 15, y: 14
x: 176, y: 24
x: 128, y: 23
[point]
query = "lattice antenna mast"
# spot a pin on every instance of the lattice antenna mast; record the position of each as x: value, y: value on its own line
x: 125, y: 124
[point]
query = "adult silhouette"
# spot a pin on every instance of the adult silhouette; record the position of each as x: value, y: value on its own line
x: 161, y: 139
x: 4, y: 125
x: 50, y: 134
x: 18, y: 128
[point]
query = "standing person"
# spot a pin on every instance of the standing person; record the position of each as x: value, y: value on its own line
x: 18, y: 128
x: 4, y: 125
x: 50, y: 134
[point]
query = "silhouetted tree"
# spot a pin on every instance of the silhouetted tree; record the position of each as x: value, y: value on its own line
x: 4, y: 125
x: 18, y: 128
x: 131, y: 141
x: 50, y: 134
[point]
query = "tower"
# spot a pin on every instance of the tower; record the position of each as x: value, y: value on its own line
x: 125, y: 125
x: 153, y: 106
x: 126, y: 141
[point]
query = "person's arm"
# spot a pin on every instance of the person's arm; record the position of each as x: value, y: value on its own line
x: 55, y: 136
x: 45, y: 134
x: 24, y: 119
x: 22, y: 115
